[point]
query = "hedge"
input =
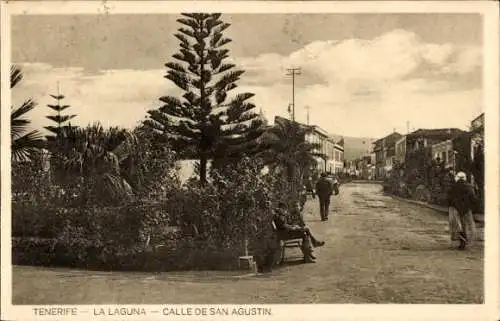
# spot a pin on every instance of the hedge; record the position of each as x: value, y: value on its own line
x: 182, y: 254
x: 213, y: 220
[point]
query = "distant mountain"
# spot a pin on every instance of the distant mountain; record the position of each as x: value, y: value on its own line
x: 355, y: 147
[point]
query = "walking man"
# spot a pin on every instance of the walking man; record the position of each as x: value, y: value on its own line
x: 461, y: 200
x: 324, y: 190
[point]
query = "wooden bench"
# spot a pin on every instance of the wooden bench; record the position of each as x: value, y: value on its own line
x: 286, y: 242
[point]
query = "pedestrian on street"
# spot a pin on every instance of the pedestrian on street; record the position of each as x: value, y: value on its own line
x: 302, y: 197
x: 461, y: 201
x: 324, y: 190
x: 335, y: 186
x: 309, y: 187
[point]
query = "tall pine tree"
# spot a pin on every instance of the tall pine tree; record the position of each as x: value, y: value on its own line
x: 205, y: 123
x: 58, y: 118
x: 59, y: 144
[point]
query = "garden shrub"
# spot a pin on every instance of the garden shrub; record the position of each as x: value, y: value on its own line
x: 236, y: 204
x: 32, y: 220
x: 213, y: 221
x: 97, y: 236
x: 34, y: 251
x: 110, y: 231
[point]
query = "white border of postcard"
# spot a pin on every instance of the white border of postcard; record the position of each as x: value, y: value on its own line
x: 489, y: 311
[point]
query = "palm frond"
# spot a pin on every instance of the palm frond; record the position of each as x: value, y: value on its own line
x: 25, y: 146
x: 116, y: 186
x: 19, y: 125
x: 15, y: 76
x: 20, y: 111
x: 126, y: 147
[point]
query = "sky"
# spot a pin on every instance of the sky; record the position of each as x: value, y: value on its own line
x: 363, y: 75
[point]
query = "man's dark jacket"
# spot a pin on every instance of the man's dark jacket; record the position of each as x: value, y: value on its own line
x: 324, y: 188
x: 461, y: 196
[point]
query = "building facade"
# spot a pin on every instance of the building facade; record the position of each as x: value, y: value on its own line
x: 360, y: 168
x: 385, y: 154
x: 336, y: 163
x: 333, y: 160
x: 427, y: 137
x: 477, y: 150
x: 424, y: 146
x: 400, y: 150
x: 477, y: 130
x: 334, y: 153
x: 444, y: 152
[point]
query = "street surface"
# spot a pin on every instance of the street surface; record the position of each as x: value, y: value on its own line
x: 378, y: 250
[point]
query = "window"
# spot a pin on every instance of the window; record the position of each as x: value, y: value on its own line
x: 337, y: 156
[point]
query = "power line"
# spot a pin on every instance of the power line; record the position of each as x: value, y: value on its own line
x: 292, y: 72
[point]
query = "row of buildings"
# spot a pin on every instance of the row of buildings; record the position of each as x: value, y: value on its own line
x: 333, y: 151
x: 453, y: 148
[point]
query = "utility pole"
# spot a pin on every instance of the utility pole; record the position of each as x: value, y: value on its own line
x: 290, y: 110
x: 293, y: 72
x: 407, y: 127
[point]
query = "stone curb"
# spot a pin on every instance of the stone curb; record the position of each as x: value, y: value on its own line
x: 363, y: 182
x: 431, y: 206
x: 437, y: 208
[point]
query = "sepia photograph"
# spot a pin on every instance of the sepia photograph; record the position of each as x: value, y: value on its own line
x: 241, y: 158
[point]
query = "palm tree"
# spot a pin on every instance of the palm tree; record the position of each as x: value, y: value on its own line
x: 289, y: 151
x: 94, y: 156
x: 24, y: 145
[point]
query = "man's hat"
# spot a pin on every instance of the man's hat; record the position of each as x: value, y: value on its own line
x: 461, y: 176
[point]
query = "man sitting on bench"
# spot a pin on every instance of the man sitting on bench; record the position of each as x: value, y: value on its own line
x: 296, y: 231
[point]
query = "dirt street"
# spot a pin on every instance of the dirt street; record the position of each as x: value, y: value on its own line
x: 378, y: 250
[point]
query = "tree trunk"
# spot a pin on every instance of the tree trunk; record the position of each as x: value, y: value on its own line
x: 203, y: 169
x: 203, y: 157
x: 291, y: 173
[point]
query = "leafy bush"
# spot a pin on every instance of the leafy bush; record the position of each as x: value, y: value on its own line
x: 111, y: 231
x: 214, y: 220
x: 234, y: 206
x: 33, y: 199
x: 30, y: 182
x: 34, y: 251
x: 97, y: 235
x: 152, y: 169
x: 30, y: 220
